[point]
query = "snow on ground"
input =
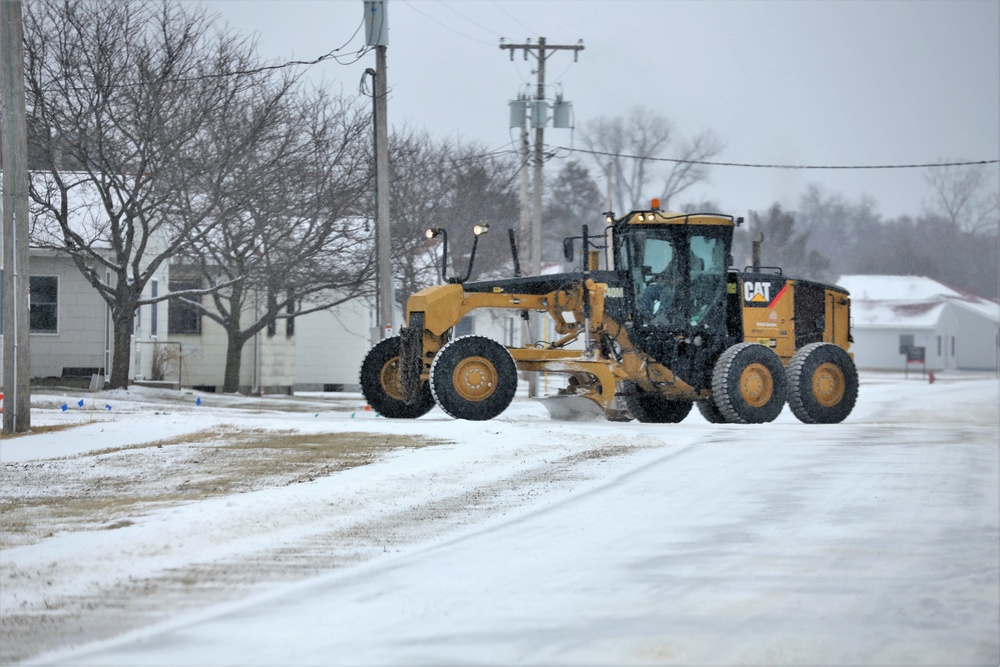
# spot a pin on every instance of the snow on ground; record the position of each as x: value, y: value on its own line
x: 245, y: 531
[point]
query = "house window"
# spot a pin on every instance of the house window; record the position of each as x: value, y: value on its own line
x: 290, y: 322
x: 183, y: 318
x: 44, y: 304
x: 939, y: 345
x: 905, y: 343
x: 952, y: 346
x: 465, y: 326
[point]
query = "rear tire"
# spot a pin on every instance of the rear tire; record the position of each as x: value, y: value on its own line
x: 650, y: 408
x: 748, y: 384
x: 822, y: 384
x: 383, y: 388
x: 473, y: 378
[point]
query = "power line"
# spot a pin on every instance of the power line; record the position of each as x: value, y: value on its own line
x: 331, y: 55
x: 496, y: 152
x: 551, y: 152
x: 514, y: 18
x: 466, y: 18
x: 776, y: 166
x: 413, y: 6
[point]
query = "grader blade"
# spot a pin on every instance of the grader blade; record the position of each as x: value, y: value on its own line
x: 572, y: 408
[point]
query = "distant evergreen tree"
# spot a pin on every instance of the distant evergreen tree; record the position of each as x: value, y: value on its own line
x: 573, y: 201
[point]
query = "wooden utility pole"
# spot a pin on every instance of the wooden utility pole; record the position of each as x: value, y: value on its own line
x: 16, y: 311
x: 536, y: 219
x: 541, y: 51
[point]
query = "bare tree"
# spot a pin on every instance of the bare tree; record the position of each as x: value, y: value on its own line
x: 784, y: 244
x: 482, y: 188
x: 290, y: 240
x: 454, y: 186
x: 121, y: 96
x: 966, y: 196
x: 642, y: 148
x: 841, y: 228
x: 418, y: 191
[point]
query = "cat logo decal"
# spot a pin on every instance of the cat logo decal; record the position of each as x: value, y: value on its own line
x: 757, y: 292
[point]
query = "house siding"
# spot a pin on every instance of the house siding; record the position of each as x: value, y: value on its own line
x: 266, y: 362
x: 977, y: 346
x: 877, y: 348
x: 81, y: 338
x: 331, y: 344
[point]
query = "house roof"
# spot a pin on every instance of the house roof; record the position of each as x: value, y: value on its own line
x: 909, y: 301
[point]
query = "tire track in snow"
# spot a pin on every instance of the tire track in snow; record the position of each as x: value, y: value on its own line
x: 104, y: 611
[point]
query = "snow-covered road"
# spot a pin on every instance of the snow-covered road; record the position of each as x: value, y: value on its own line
x: 524, y: 540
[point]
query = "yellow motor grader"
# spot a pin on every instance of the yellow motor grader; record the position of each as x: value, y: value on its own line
x: 668, y: 324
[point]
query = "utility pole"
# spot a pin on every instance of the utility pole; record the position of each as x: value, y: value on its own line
x: 16, y: 310
x: 377, y: 35
x: 524, y: 227
x: 525, y: 212
x: 541, y: 52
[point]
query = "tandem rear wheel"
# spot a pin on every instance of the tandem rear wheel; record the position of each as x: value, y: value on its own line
x: 822, y: 384
x: 748, y: 385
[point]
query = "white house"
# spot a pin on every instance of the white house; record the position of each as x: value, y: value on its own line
x: 71, y: 336
x: 70, y: 327
x: 71, y: 332
x: 331, y: 344
x: 195, y: 347
x: 956, y: 330
x: 70, y: 324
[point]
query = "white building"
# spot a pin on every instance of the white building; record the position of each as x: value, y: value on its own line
x: 71, y: 333
x: 71, y: 337
x: 957, y: 330
x: 70, y: 324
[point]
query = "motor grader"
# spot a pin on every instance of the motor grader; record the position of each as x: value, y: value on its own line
x: 666, y: 325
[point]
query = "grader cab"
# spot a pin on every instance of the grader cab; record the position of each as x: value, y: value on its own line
x: 666, y: 325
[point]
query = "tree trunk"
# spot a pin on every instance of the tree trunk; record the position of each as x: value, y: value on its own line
x: 234, y: 357
x: 121, y: 357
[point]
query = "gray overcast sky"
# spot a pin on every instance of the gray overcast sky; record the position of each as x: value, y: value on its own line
x: 846, y: 82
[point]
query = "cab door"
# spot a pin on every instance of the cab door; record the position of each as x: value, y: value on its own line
x: 678, y: 279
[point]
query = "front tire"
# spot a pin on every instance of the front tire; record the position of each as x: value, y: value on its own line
x: 650, y: 408
x: 822, y: 384
x: 748, y: 384
x: 473, y: 378
x: 383, y: 388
